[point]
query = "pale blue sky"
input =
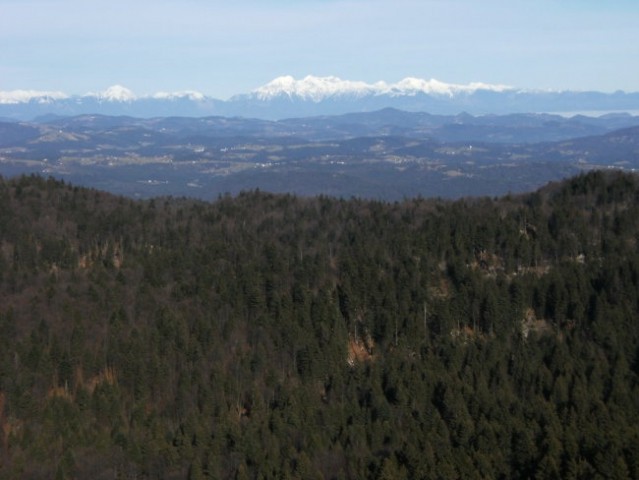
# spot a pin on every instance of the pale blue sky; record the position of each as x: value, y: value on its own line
x: 223, y: 48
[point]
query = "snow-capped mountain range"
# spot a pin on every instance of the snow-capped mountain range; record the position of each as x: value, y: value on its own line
x: 318, y: 89
x: 289, y: 97
x: 115, y: 93
x: 311, y: 88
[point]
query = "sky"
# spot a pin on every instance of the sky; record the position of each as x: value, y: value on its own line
x: 222, y: 48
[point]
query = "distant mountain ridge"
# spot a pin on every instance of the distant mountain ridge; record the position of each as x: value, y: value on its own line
x: 287, y: 97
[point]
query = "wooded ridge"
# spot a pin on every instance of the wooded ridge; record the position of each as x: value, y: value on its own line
x: 274, y: 336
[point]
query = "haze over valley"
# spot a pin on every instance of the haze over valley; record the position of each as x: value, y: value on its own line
x: 387, y: 154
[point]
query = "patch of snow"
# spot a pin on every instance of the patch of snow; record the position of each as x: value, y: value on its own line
x: 188, y: 94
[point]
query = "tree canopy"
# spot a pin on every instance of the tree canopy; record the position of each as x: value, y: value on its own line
x: 274, y: 336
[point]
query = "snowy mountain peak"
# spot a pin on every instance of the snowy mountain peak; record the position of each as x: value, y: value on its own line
x: 320, y: 88
x: 312, y: 88
x: 115, y: 93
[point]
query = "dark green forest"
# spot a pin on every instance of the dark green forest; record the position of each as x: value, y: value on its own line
x: 271, y: 336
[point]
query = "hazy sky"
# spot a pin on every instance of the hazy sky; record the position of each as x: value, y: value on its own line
x: 223, y: 48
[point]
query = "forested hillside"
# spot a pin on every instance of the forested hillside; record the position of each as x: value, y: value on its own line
x: 271, y: 336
